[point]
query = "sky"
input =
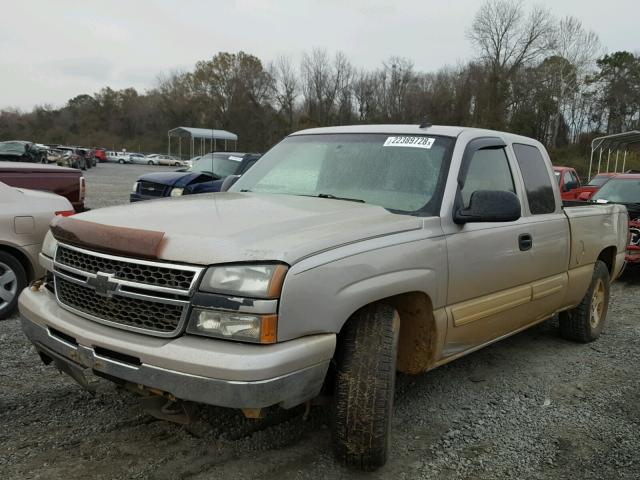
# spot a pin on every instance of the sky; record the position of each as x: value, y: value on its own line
x: 52, y: 50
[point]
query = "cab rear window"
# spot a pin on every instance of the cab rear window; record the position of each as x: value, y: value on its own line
x: 536, y: 179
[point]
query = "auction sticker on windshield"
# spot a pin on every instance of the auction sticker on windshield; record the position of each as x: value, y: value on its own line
x: 416, y: 142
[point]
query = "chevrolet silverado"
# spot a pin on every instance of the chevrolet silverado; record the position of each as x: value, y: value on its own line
x: 344, y: 255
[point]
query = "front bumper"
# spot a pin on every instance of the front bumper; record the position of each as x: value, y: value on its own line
x: 215, y: 372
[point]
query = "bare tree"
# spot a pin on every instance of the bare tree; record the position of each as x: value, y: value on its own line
x: 286, y: 87
x: 326, y: 85
x: 319, y: 96
x: 576, y: 50
x: 508, y: 38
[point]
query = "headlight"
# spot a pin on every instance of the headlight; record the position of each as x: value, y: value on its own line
x: 176, y: 192
x: 234, y: 325
x: 135, y: 186
x: 49, y: 245
x: 258, y: 281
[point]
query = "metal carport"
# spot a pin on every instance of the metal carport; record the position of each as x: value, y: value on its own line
x: 204, y: 135
x: 618, y: 142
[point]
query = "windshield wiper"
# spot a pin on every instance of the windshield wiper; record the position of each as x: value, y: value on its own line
x: 334, y: 197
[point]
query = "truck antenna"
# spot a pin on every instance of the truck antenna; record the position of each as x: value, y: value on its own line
x: 425, y: 123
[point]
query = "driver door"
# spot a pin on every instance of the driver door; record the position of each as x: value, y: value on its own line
x: 489, y: 275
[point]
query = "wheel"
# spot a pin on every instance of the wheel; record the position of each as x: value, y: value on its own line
x: 121, y: 161
x: 88, y: 163
x: 176, y: 164
x: 150, y: 162
x: 585, y: 322
x: 13, y: 279
x: 364, y: 387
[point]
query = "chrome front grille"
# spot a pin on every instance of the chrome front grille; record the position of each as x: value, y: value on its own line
x: 148, y: 273
x: 126, y: 311
x: 152, y: 189
x: 139, y: 295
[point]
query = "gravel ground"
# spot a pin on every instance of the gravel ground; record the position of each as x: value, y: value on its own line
x: 532, y: 406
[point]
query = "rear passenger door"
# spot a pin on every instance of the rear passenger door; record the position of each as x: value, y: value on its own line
x: 549, y: 230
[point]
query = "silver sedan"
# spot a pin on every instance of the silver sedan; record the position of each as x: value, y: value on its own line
x: 24, y: 221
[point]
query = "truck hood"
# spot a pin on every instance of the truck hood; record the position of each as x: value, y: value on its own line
x: 236, y: 227
x: 174, y: 179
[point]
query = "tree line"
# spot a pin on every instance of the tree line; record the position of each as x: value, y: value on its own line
x: 531, y: 74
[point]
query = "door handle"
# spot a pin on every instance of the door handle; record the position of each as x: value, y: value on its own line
x: 525, y: 242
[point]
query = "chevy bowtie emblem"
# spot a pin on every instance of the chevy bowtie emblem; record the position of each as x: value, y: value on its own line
x: 102, y: 284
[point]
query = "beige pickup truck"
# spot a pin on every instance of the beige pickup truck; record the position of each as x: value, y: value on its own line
x: 344, y: 255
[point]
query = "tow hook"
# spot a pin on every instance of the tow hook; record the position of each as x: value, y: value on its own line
x: 175, y: 411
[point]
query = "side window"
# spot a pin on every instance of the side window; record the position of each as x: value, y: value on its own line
x: 488, y: 170
x: 536, y: 179
x: 575, y: 179
x: 568, y: 178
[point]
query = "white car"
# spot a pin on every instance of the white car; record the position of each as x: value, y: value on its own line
x: 118, y: 157
x: 158, y: 159
x: 138, y: 158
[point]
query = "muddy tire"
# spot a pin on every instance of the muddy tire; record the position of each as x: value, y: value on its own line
x: 364, y: 387
x: 585, y: 322
x: 13, y: 279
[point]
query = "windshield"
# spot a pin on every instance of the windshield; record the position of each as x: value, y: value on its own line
x: 216, y: 164
x: 598, y: 180
x: 619, y: 190
x: 400, y: 173
x: 12, y: 148
x: 557, y: 174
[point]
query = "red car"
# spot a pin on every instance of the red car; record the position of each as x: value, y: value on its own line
x: 624, y: 188
x: 570, y: 187
x: 68, y: 182
x: 100, y: 154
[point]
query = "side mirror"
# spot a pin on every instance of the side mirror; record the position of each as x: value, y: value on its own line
x: 584, y: 196
x: 490, y: 206
x: 228, y: 182
x: 567, y: 187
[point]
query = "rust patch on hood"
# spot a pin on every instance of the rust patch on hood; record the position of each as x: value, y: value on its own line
x: 130, y: 242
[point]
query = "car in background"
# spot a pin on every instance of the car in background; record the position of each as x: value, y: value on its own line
x: 571, y: 187
x: 87, y: 154
x: 159, y: 159
x: 100, y: 154
x: 22, y: 151
x: 137, y: 158
x: 205, y: 175
x: 624, y: 189
x: 118, y: 157
x: 67, y: 182
x: 73, y: 157
x: 24, y: 220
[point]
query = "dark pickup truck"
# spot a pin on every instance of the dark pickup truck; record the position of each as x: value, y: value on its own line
x: 205, y: 175
x: 21, y: 151
x: 67, y: 182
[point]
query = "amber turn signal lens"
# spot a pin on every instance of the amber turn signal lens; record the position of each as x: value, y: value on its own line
x: 275, y: 285
x: 269, y: 329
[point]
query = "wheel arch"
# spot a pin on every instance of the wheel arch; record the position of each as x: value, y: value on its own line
x: 608, y: 256
x: 421, y: 330
x: 22, y: 258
